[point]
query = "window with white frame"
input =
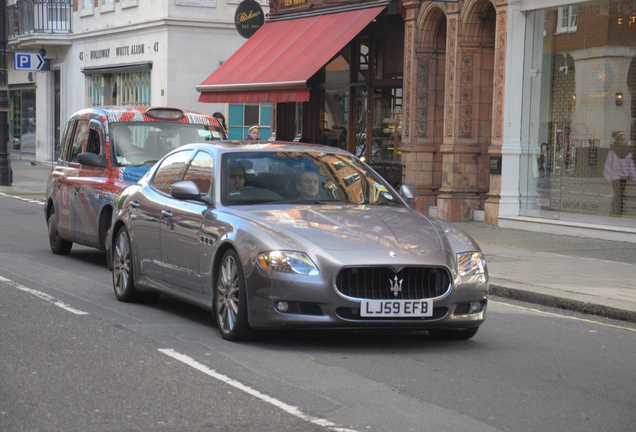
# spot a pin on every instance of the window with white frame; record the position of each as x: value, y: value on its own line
x: 85, y: 7
x: 567, y: 17
x: 106, y: 6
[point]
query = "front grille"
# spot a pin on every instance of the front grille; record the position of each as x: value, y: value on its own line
x: 376, y: 282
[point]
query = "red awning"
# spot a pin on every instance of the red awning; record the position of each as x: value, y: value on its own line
x: 276, y: 62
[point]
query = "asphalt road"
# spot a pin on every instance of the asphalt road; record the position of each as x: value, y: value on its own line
x: 76, y: 359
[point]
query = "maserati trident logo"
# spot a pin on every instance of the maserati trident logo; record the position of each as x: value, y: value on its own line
x: 396, y: 285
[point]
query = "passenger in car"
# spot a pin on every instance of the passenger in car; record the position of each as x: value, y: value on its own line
x: 308, y: 185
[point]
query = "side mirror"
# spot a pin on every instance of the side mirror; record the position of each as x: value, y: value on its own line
x: 90, y: 159
x: 408, y: 192
x: 187, y: 190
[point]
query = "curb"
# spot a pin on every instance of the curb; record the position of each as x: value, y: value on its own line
x: 563, y: 303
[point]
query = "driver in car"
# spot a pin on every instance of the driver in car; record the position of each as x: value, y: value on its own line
x: 124, y: 146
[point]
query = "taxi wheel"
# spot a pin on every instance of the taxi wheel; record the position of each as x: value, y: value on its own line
x: 230, y: 299
x: 452, y: 334
x: 58, y: 245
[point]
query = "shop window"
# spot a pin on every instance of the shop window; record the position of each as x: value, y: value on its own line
x: 242, y: 116
x: 567, y: 17
x: 334, y: 126
x: 575, y: 124
x: 22, y: 119
x: 134, y: 88
x: 130, y: 88
x: 94, y: 91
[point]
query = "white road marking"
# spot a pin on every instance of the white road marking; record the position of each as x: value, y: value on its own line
x: 290, y: 409
x: 31, y: 201
x: 43, y: 296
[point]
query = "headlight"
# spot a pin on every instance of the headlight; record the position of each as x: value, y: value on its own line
x: 288, y: 262
x: 471, y: 263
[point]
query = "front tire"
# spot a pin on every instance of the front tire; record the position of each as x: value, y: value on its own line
x: 230, y: 299
x: 123, y: 271
x: 58, y: 245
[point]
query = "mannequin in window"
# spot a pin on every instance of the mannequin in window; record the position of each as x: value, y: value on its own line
x: 619, y: 168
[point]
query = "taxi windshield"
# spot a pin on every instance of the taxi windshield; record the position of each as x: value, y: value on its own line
x: 144, y: 143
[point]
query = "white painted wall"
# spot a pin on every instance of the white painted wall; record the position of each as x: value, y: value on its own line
x: 184, y: 43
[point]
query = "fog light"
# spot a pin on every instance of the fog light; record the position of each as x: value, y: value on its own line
x: 475, y: 307
x: 282, y: 306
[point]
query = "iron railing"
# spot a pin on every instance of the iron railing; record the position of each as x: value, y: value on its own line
x: 39, y: 16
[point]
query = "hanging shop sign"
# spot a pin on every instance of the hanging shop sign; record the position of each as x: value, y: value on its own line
x: 248, y: 18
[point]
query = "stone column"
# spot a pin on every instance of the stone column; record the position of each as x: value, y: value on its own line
x: 460, y: 149
x: 413, y: 155
x: 491, y: 207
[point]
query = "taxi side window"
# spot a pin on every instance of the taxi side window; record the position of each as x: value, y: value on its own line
x: 79, y: 140
x: 171, y: 171
x: 68, y: 132
x: 93, y: 145
x: 200, y: 171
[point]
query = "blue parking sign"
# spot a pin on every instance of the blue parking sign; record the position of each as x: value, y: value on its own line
x: 26, y: 61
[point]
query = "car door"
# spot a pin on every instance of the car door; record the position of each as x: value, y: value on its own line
x: 181, y: 230
x: 72, y: 181
x: 91, y: 186
x: 149, y: 217
x: 59, y: 181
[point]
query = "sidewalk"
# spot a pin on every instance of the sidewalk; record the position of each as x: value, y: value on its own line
x: 574, y: 273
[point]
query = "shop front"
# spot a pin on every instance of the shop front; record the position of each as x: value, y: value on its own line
x: 578, y: 114
x: 332, y: 73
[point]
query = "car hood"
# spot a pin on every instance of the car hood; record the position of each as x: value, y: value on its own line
x: 341, y: 228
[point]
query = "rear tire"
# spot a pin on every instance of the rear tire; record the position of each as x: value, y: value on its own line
x: 58, y: 245
x: 230, y: 300
x: 448, y: 334
x: 123, y: 271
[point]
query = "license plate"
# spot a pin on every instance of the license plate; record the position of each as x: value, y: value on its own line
x: 396, y: 308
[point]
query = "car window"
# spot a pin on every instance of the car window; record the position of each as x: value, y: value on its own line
x: 80, y: 138
x: 93, y: 145
x: 200, y: 171
x: 171, y: 171
x: 307, y: 177
x: 140, y: 143
x: 68, y: 133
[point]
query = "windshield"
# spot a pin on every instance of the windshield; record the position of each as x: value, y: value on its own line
x: 300, y: 177
x: 144, y: 143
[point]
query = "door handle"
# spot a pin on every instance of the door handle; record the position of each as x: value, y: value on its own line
x: 134, y: 204
x: 166, y: 213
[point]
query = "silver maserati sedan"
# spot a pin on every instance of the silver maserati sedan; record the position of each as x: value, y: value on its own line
x: 271, y: 235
